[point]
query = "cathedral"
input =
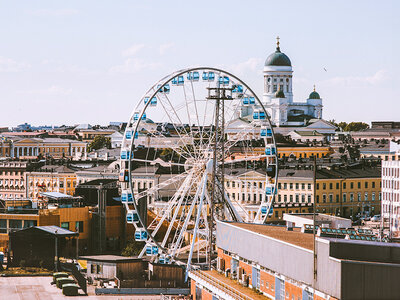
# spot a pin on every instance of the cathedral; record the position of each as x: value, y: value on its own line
x: 278, y: 94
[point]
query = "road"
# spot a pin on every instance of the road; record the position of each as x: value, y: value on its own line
x: 40, y: 288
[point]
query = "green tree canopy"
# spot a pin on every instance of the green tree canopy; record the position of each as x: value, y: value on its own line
x: 100, y: 142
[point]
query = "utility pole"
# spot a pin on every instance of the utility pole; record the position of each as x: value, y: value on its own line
x: 314, y: 246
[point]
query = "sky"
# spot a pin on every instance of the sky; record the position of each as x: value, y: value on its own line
x: 71, y: 62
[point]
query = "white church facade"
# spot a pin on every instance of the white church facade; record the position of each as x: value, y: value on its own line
x: 278, y: 95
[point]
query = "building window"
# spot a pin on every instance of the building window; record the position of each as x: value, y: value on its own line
x: 324, y: 186
x: 297, y: 197
x: 309, y: 186
x: 291, y: 186
x: 29, y: 223
x: 337, y: 185
x: 359, y: 196
x: 303, y: 186
x: 324, y: 198
x: 3, y: 226
x: 317, y: 199
x: 285, y: 198
x: 303, y: 198
x: 330, y: 185
x: 16, y: 224
x: 373, y: 184
x: 352, y: 185
x: 285, y: 186
x: 359, y: 185
x: 344, y: 197
x: 79, y: 226
x: 366, y: 184
x: 297, y: 186
x: 366, y: 196
x: 309, y: 198
x: 291, y: 198
x: 337, y: 198
x: 317, y: 186
x: 65, y: 225
x: 330, y: 198
x: 373, y: 196
x: 351, y: 197
x: 99, y: 269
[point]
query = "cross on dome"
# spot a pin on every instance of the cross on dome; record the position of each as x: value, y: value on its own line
x: 277, y: 43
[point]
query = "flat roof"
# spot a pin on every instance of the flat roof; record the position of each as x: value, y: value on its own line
x: 225, y: 282
x: 295, y: 237
x: 110, y: 258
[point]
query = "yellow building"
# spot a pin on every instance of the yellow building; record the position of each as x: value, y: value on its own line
x: 47, y: 147
x: 50, y: 179
x: 73, y: 218
x: 5, y: 147
x: 339, y: 192
x: 349, y: 192
x: 87, y: 135
x: 304, y: 152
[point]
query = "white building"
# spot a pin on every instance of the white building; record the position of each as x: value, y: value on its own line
x: 278, y: 94
x: 391, y: 195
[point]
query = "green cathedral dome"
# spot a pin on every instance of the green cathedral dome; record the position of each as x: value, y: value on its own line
x: 278, y: 59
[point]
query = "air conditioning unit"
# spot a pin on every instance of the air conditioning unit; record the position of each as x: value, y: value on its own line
x: 220, y: 264
x: 240, y: 272
x: 245, y: 279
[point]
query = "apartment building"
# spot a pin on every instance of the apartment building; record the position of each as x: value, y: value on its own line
x: 50, y: 178
x: 341, y: 192
x: 12, y: 179
x: 391, y: 196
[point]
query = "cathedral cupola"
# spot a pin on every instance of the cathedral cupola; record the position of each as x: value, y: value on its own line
x: 314, y: 95
x: 278, y: 58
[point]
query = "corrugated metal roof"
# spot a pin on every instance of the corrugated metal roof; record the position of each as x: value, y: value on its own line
x: 52, y: 229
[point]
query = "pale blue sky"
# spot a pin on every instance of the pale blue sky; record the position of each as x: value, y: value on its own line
x: 68, y: 62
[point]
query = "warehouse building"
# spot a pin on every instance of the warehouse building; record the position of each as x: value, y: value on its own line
x: 279, y: 264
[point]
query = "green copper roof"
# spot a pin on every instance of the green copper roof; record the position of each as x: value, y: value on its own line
x: 280, y: 94
x: 314, y: 95
x: 278, y: 59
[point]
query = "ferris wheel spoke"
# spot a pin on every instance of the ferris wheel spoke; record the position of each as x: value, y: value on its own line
x: 177, y: 208
x: 196, y: 226
x: 183, y: 141
x: 188, y: 217
x: 164, y: 163
x: 172, y: 203
x: 163, y: 184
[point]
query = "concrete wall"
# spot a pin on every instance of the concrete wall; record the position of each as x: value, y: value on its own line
x: 328, y: 270
x: 362, y: 280
x: 365, y: 251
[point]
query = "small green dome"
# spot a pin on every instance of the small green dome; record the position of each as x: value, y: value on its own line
x: 278, y: 59
x: 314, y: 95
x: 280, y: 94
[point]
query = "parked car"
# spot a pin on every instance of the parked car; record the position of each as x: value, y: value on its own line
x: 376, y: 218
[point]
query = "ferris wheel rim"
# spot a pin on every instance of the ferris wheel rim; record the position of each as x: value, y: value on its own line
x: 153, y: 91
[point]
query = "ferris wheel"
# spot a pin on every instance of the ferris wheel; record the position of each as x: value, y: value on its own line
x: 190, y: 145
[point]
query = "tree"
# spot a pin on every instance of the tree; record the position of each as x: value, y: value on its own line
x: 133, y: 248
x: 100, y: 142
x: 356, y: 126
